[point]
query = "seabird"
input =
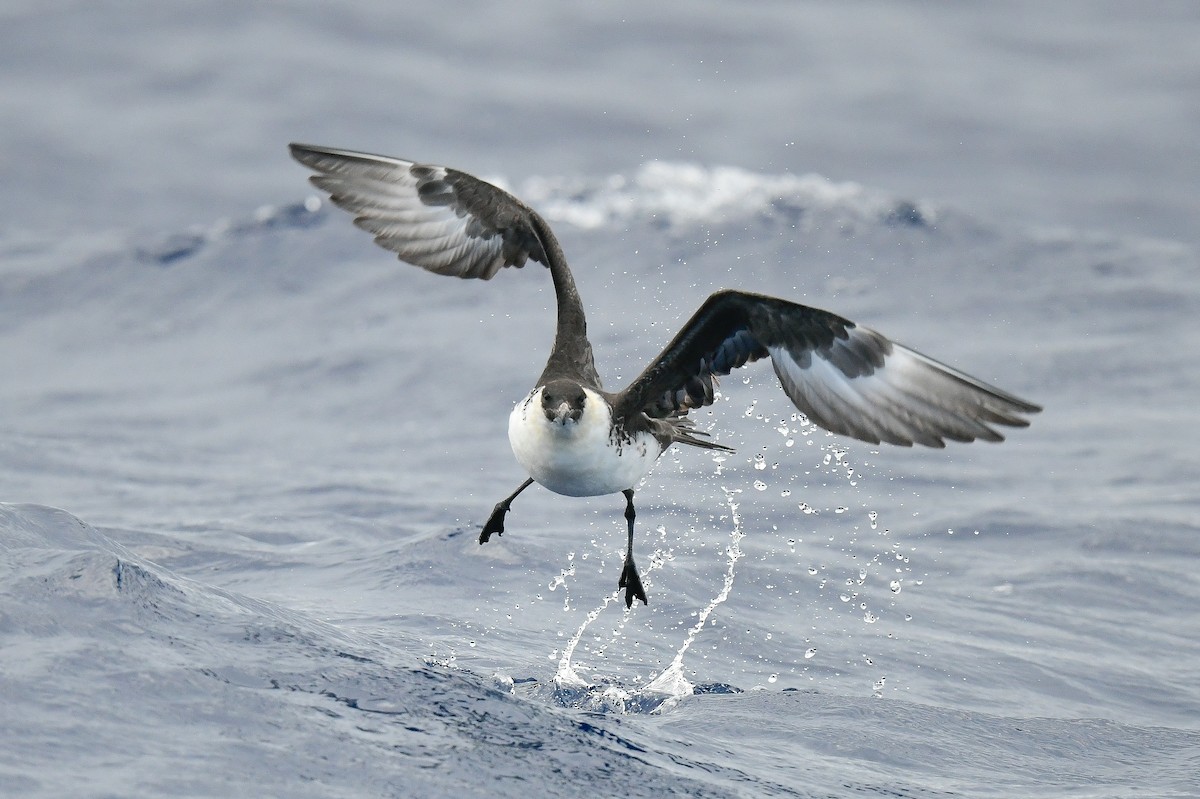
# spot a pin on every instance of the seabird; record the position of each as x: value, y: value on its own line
x: 575, y: 438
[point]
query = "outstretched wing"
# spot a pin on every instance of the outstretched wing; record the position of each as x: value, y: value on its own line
x: 845, y: 378
x: 439, y: 219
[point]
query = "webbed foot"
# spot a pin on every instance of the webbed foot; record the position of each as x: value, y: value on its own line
x: 495, y: 522
x: 631, y: 581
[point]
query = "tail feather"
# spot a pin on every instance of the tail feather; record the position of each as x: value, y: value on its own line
x: 683, y: 431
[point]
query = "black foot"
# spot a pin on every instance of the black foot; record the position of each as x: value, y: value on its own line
x: 631, y: 581
x: 495, y: 523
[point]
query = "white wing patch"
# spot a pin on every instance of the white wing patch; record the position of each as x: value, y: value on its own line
x: 384, y: 194
x: 909, y: 399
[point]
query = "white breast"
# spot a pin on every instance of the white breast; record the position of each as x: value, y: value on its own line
x: 581, y: 459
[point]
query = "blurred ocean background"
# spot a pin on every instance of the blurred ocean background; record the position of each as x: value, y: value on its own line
x: 244, y: 454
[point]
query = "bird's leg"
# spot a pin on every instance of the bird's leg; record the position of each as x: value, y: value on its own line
x: 495, y: 522
x: 630, y: 580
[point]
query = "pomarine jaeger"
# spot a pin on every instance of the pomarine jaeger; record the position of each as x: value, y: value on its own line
x: 575, y: 438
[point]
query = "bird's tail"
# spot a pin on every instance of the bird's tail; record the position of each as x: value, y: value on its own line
x: 683, y: 431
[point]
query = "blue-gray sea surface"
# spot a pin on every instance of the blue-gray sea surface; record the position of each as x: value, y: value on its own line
x: 245, y: 454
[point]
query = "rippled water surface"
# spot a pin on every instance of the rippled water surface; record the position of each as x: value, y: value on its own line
x: 244, y: 455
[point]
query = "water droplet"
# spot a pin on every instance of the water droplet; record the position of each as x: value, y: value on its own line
x: 895, y: 586
x: 812, y: 570
x: 787, y: 492
x: 873, y: 516
x: 870, y: 618
x: 908, y: 617
x: 808, y: 653
x: 760, y: 485
x: 878, y: 686
x: 791, y: 442
x: 773, y: 678
x: 839, y: 510
x: 759, y: 462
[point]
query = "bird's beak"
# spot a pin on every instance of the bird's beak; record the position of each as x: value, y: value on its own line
x: 562, y: 413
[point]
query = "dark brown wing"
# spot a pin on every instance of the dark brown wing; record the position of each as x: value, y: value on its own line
x: 451, y: 223
x: 845, y: 378
x: 436, y: 218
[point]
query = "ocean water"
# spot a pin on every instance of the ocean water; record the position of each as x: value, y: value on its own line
x: 244, y: 454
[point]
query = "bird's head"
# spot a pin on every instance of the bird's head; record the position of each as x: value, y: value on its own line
x: 563, y: 401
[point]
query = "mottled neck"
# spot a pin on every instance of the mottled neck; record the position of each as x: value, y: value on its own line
x: 572, y: 353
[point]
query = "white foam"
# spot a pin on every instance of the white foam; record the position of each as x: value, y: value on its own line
x: 685, y: 193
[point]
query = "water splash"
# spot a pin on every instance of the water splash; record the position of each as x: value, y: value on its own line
x: 570, y: 687
x: 671, y: 681
x: 566, y: 678
x: 561, y: 581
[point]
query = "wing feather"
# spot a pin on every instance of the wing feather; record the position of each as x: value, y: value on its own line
x: 436, y: 218
x: 845, y: 378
